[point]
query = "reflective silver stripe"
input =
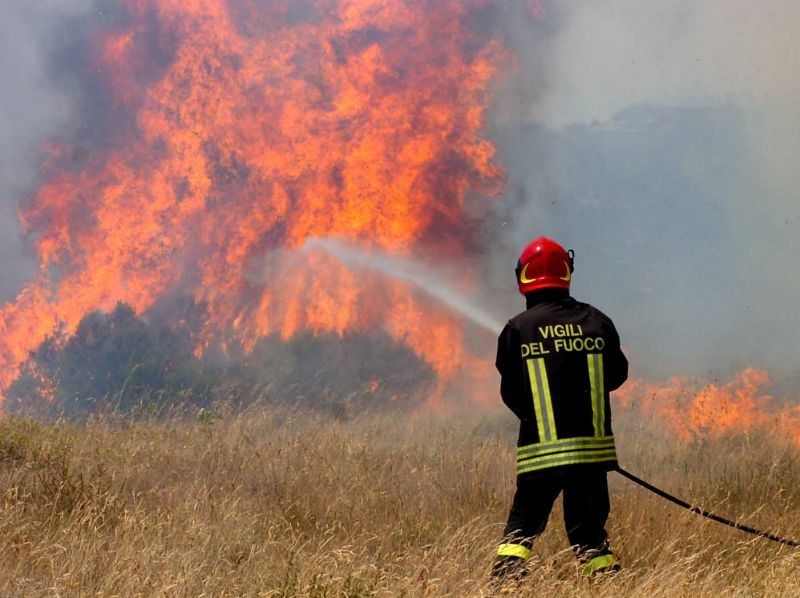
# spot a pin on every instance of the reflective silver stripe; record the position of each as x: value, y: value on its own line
x: 577, y: 454
x: 567, y: 451
x: 565, y: 444
x: 542, y: 402
x: 569, y: 458
x: 595, y: 459
x: 597, y: 384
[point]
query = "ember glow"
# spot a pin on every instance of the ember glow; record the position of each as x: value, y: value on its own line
x: 243, y: 128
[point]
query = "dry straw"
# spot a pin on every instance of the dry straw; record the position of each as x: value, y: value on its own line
x: 279, y: 503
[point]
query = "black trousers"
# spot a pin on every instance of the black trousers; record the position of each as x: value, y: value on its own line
x: 586, y: 509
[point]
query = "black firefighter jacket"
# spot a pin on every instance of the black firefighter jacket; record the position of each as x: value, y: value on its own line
x: 558, y: 361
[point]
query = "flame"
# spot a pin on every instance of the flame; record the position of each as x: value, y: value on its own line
x: 240, y: 130
x: 689, y: 408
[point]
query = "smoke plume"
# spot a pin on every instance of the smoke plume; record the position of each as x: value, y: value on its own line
x: 663, y: 149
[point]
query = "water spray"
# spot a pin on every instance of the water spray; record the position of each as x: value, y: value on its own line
x: 407, y: 270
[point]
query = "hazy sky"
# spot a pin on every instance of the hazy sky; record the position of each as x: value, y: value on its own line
x: 663, y: 147
x: 610, y: 54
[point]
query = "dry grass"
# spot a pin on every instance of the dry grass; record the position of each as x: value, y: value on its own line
x: 279, y: 504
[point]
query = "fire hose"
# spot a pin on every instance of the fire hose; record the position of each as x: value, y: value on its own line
x: 703, y: 512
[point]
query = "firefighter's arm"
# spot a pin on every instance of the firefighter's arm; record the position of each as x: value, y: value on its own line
x: 617, y: 362
x: 509, y: 364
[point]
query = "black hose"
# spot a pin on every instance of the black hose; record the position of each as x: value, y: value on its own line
x: 704, y: 513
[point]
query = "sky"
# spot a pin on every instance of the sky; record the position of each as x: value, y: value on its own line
x: 657, y: 139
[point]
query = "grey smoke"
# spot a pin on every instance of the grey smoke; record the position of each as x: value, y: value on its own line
x: 34, y: 107
x: 663, y: 149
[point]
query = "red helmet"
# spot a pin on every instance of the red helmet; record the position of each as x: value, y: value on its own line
x: 544, y: 264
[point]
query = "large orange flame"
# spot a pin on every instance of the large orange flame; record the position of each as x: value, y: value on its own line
x: 244, y: 128
x: 690, y: 408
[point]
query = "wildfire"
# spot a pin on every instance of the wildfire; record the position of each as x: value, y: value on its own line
x: 236, y: 130
x: 689, y: 408
x: 241, y: 129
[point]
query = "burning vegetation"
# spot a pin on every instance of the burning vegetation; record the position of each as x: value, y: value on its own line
x: 225, y: 135
x: 234, y: 132
x: 121, y: 363
x: 692, y: 408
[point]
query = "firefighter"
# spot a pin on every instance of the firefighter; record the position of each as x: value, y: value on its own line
x: 558, y: 360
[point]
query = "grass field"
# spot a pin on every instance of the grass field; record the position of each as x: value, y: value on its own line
x: 277, y: 503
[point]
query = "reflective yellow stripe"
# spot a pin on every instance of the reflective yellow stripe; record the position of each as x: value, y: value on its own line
x: 603, y: 561
x: 548, y: 401
x: 597, y: 384
x: 537, y: 400
x: 517, y: 550
x: 565, y: 444
x: 542, y: 402
x: 570, y: 458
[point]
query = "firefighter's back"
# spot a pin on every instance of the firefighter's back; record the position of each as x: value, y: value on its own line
x: 567, y: 361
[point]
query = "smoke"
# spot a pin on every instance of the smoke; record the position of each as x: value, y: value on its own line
x: 663, y: 150
x: 34, y: 107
